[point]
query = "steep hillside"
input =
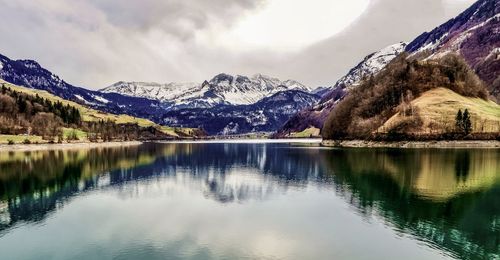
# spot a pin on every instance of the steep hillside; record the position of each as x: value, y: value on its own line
x: 223, y: 89
x: 474, y: 34
x: 266, y: 115
x: 314, y: 117
x: 364, y: 112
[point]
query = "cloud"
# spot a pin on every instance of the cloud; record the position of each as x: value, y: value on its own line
x: 179, y: 18
x: 94, y: 43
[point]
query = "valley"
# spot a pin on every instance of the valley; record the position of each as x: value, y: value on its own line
x: 242, y: 105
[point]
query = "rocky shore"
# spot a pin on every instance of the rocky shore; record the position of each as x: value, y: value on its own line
x: 414, y: 144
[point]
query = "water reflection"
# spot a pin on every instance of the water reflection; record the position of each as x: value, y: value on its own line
x: 445, y: 198
x: 462, y: 165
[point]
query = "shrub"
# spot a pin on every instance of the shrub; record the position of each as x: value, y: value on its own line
x: 72, y: 136
x: 10, y: 142
x: 26, y: 141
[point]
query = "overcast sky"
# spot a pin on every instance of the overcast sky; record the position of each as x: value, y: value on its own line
x: 94, y: 43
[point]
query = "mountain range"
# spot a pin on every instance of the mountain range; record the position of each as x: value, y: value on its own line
x: 225, y: 104
x: 223, y: 89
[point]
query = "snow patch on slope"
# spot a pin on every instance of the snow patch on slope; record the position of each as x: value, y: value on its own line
x: 371, y: 64
x: 101, y: 99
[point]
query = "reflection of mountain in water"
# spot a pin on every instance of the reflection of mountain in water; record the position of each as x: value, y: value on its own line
x: 229, y: 172
x: 33, y: 184
x: 444, y: 197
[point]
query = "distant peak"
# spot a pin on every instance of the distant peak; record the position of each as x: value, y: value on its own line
x: 222, y: 77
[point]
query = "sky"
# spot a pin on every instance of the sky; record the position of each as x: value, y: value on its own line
x: 95, y: 43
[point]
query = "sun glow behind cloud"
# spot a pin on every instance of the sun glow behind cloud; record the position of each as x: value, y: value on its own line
x: 293, y: 24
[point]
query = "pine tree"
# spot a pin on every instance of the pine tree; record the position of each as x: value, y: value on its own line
x: 458, y: 120
x: 466, y: 122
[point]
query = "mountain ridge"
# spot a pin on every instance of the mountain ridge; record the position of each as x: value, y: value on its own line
x: 222, y: 89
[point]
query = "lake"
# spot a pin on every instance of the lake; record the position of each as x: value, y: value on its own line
x: 250, y: 201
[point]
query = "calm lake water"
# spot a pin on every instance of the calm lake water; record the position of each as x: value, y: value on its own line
x: 250, y: 201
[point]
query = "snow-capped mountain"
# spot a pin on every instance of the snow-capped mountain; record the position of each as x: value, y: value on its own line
x: 266, y: 115
x: 223, y: 89
x: 371, y: 64
x: 150, y: 90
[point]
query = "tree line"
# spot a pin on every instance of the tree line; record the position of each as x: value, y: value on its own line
x: 22, y: 113
x: 27, y: 114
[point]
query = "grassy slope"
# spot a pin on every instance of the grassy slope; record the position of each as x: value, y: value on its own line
x: 89, y: 114
x: 308, y: 132
x: 439, y: 107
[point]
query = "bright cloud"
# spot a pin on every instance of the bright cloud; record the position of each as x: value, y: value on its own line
x: 292, y: 24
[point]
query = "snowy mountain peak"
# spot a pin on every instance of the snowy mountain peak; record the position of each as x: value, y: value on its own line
x: 221, y: 89
x: 150, y: 90
x: 221, y: 78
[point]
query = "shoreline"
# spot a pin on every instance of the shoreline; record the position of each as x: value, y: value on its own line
x: 63, y: 146
x: 490, y: 144
x: 244, y: 140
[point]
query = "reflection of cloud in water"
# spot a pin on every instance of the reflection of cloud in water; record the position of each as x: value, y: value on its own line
x: 237, y: 184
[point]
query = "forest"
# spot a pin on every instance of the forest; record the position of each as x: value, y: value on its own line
x: 32, y: 115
